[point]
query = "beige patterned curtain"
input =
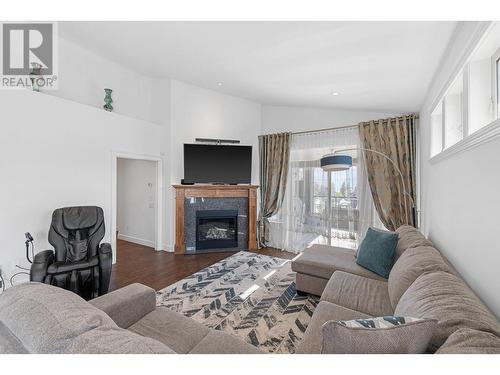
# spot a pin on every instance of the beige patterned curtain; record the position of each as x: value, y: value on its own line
x: 274, y: 154
x: 394, y: 137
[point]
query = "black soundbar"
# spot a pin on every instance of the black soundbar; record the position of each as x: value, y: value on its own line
x: 218, y: 141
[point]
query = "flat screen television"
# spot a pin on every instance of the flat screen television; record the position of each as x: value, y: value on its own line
x: 217, y: 164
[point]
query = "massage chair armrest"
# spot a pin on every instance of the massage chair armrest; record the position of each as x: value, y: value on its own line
x: 127, y: 305
x: 105, y: 248
x: 40, y: 264
x: 105, y: 263
x: 67, y: 267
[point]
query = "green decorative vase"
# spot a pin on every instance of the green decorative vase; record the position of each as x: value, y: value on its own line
x: 108, y: 100
x: 35, y: 75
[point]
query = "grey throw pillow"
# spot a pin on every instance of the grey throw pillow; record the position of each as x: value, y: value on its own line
x: 382, y: 335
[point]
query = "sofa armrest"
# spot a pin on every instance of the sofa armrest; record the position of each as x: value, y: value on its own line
x: 127, y: 305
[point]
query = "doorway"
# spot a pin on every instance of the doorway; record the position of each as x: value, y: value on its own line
x: 136, y: 201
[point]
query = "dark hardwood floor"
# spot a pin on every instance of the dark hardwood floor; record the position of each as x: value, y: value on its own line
x: 157, y: 269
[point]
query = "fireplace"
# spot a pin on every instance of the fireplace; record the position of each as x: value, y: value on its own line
x: 216, y: 229
x: 189, y: 199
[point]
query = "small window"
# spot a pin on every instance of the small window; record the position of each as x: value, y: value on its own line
x: 480, y: 108
x: 473, y: 100
x: 437, y: 130
x: 497, y: 83
x: 483, y: 81
x: 453, y: 119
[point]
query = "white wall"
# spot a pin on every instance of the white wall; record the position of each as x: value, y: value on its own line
x: 162, y: 115
x: 136, y: 196
x: 460, y: 194
x: 83, y: 75
x: 56, y: 153
x: 202, y: 113
x: 186, y: 112
x: 281, y: 118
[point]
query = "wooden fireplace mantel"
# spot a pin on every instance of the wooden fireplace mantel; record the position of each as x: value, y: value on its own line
x: 214, y: 191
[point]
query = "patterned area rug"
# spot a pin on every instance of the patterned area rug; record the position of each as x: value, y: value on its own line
x: 248, y: 295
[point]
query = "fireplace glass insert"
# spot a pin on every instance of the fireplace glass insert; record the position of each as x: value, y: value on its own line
x: 216, y: 229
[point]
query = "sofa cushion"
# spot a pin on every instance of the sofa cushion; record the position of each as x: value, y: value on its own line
x: 409, y: 237
x: 322, y: 261
x: 47, y: 319
x: 470, y: 341
x: 358, y: 293
x: 443, y: 296
x: 175, y: 330
x: 376, y: 252
x: 414, y: 262
x: 105, y: 340
x: 383, y: 335
x: 217, y: 342
x: 325, y: 311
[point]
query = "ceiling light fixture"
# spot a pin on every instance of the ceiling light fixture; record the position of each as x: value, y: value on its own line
x: 334, y: 93
x: 219, y: 84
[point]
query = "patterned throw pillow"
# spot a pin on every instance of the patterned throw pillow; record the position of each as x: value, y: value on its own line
x: 381, y: 322
x: 382, y: 335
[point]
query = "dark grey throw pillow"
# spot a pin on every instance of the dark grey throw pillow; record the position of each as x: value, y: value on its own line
x: 383, y: 335
x: 376, y: 252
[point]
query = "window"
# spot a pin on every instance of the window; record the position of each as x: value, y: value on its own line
x: 331, y: 208
x: 472, y: 101
x: 334, y: 199
x: 344, y: 202
x: 320, y: 192
x: 480, y: 104
x: 497, y: 84
x: 437, y: 130
x: 453, y: 117
x: 447, y: 119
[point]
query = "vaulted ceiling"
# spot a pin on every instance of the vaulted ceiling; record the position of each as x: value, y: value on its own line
x: 382, y: 66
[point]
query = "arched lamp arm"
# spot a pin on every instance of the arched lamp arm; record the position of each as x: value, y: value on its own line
x: 388, y: 158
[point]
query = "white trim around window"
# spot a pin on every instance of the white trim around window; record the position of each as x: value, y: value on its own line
x: 481, y: 136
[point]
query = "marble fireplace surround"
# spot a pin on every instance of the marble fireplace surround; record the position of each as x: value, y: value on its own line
x: 191, y: 205
x: 190, y: 198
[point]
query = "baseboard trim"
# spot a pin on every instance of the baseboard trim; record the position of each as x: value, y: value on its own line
x: 139, y: 241
x: 168, y: 248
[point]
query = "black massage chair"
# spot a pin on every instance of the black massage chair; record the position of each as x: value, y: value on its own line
x: 80, y: 262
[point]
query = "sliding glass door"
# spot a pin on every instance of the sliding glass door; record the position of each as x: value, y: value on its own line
x: 344, y: 210
x: 322, y: 207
